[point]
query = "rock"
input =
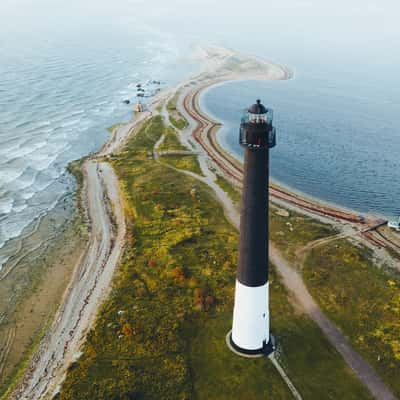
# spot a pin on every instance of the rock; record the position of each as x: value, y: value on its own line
x: 283, y: 213
x: 127, y: 101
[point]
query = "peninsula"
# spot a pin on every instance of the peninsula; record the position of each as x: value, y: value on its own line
x: 147, y: 309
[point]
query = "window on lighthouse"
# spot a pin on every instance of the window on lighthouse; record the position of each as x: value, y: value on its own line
x: 257, y: 118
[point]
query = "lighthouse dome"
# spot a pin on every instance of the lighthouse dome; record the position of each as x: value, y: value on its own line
x: 257, y: 108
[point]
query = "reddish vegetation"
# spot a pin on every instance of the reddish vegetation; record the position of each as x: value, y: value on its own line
x: 209, y: 300
x: 151, y: 262
x: 178, y: 274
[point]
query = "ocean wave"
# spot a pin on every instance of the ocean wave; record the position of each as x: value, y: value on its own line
x: 55, y: 121
x: 3, y: 259
x: 27, y: 195
x: 8, y: 174
x: 20, y: 207
x: 6, y: 204
x: 23, y: 124
x: 23, y: 148
x: 24, y: 181
x: 15, y: 225
x: 70, y: 123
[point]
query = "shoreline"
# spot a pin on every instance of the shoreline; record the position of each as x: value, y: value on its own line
x: 41, y: 277
x: 235, y: 159
x: 370, y: 214
x: 367, y: 225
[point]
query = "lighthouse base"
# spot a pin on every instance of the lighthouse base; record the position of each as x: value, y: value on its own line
x: 265, y: 351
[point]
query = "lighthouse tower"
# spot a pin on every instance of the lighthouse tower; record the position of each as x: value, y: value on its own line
x: 250, y: 335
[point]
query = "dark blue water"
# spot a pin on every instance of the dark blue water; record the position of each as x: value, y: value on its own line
x: 338, y: 141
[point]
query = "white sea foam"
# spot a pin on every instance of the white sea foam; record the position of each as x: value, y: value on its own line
x: 6, y: 204
x: 27, y: 195
x: 70, y: 123
x: 25, y: 180
x: 8, y: 174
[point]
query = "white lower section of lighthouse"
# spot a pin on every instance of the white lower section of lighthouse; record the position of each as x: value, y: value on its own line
x: 250, y: 330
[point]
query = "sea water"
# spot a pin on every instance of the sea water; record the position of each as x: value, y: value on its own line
x: 59, y: 91
x: 337, y: 140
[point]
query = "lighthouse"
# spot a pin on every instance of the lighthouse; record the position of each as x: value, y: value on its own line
x: 250, y: 334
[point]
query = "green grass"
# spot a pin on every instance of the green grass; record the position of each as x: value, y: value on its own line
x: 315, y: 368
x: 171, y: 105
x: 171, y: 141
x: 179, y: 122
x: 176, y: 118
x: 217, y: 373
x: 363, y: 300
x: 291, y: 233
x: 186, y: 162
x: 161, y: 333
x: 181, y: 161
x: 227, y: 187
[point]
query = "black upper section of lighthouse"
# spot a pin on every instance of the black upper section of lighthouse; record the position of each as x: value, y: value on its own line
x: 256, y: 130
x: 257, y: 136
x: 258, y: 108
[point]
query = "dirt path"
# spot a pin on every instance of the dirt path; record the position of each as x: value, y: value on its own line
x: 302, y: 252
x: 295, y: 284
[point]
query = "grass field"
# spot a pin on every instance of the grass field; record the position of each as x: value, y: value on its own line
x: 171, y: 142
x: 161, y: 333
x: 362, y: 299
x: 176, y: 118
x: 289, y: 233
x: 226, y: 186
x: 184, y: 162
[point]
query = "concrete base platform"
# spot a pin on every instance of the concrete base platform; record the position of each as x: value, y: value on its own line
x: 266, y: 351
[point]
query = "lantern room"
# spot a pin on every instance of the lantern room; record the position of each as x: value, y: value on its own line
x: 256, y: 130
